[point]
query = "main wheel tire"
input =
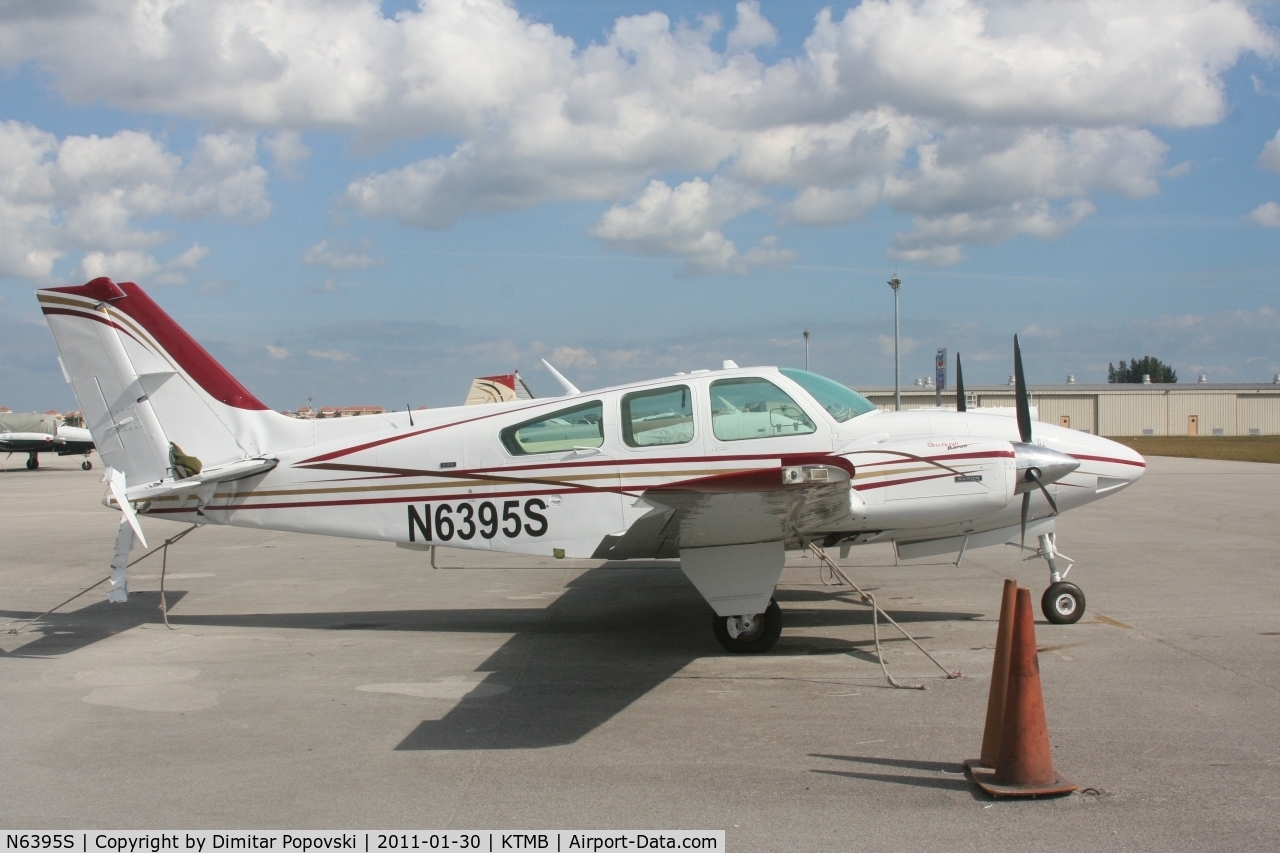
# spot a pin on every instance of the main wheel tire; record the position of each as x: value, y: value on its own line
x: 1063, y: 603
x: 33, y: 462
x: 86, y: 465
x: 759, y: 638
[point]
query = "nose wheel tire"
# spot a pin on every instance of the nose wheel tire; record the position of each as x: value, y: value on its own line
x: 33, y: 462
x: 749, y: 635
x: 1063, y: 603
x: 86, y: 465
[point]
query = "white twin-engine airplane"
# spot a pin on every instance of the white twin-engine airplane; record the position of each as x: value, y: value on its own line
x: 725, y: 469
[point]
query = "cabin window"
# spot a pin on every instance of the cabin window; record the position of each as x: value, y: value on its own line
x: 580, y: 426
x: 840, y: 401
x: 750, y: 407
x: 661, y: 416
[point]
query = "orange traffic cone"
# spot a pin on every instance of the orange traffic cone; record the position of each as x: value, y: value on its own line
x: 1024, y: 764
x: 999, y: 676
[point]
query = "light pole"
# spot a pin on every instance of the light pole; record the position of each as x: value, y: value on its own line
x: 896, y: 283
x: 806, y: 349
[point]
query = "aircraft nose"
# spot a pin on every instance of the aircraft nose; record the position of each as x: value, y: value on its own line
x: 1127, y: 461
x: 1049, y: 465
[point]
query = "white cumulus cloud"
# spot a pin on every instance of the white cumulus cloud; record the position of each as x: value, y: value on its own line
x: 287, y: 152
x: 1270, y: 156
x: 337, y: 256
x: 1267, y: 215
x: 131, y: 265
x: 983, y: 120
x: 335, y: 355
x: 96, y: 195
x: 685, y: 221
x: 752, y: 29
x: 1042, y: 61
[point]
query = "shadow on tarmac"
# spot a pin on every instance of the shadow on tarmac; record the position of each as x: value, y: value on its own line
x: 613, y: 636
x: 953, y: 780
x: 63, y: 633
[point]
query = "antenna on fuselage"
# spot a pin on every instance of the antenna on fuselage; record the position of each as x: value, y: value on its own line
x: 569, y: 388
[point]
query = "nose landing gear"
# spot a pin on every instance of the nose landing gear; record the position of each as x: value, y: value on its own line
x: 1062, y: 603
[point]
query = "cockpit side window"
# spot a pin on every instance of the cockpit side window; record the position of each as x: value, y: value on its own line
x: 580, y: 426
x: 751, y: 407
x: 840, y: 401
x: 657, y: 417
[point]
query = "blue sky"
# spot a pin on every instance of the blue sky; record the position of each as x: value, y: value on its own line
x: 360, y: 203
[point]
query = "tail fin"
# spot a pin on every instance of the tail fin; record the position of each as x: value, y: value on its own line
x: 506, y: 388
x: 145, y: 385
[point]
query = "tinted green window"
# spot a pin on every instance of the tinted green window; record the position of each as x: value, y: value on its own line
x: 662, y: 416
x: 754, y: 408
x: 581, y: 426
x: 840, y: 401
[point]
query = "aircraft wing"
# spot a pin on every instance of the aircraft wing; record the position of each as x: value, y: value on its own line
x: 762, y: 505
x: 26, y: 432
x: 26, y: 442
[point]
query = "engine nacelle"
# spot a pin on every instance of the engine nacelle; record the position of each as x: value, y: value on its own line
x: 933, y: 481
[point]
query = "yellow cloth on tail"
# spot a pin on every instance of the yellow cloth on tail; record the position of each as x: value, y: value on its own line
x: 184, y: 466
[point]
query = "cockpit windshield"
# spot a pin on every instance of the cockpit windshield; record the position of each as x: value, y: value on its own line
x: 840, y: 401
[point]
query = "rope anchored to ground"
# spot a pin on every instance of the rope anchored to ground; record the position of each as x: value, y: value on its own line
x: 164, y: 564
x: 869, y: 600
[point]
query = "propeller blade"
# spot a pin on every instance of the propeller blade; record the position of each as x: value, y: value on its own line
x: 1020, y: 391
x: 960, y: 403
x: 1026, y: 505
x: 1036, y: 477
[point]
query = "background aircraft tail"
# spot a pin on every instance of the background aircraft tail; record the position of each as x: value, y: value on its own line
x: 150, y: 394
x: 506, y: 388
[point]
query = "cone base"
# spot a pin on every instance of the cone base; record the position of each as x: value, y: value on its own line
x: 985, y: 777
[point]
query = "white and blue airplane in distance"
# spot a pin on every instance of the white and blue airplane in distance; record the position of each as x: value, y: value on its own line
x: 724, y: 469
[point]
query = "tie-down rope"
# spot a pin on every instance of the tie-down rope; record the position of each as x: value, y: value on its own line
x: 869, y: 599
x: 164, y: 611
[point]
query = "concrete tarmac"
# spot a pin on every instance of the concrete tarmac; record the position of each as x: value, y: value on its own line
x: 311, y: 682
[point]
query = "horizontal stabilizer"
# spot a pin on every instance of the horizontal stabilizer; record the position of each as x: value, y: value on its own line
x: 233, y: 471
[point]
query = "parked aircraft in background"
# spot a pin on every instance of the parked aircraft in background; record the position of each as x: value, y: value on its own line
x: 33, y: 433
x: 507, y: 388
x: 724, y: 469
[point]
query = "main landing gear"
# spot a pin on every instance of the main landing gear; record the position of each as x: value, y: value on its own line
x: 1062, y: 603
x: 86, y: 465
x: 33, y: 462
x: 751, y: 634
